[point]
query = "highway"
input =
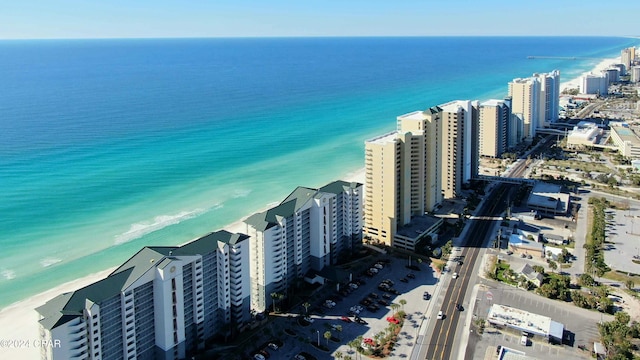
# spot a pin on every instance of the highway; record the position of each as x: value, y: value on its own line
x: 441, y: 343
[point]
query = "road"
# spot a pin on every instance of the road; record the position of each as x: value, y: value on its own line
x: 441, y: 342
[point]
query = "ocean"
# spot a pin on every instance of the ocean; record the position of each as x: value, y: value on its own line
x: 107, y: 146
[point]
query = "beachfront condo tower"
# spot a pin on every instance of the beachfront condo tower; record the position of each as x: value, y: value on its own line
x: 456, y: 151
x: 411, y: 170
x: 163, y: 303
x: 525, y: 98
x: 549, y: 110
x: 307, y: 231
x: 494, y: 119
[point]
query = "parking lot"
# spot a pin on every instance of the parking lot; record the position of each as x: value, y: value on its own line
x: 581, y: 324
x: 298, y: 335
x: 623, y: 240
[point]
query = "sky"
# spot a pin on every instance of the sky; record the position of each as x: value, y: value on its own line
x: 44, y: 19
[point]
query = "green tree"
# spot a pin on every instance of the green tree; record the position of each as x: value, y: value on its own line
x: 275, y: 296
x: 629, y: 284
x: 394, y: 307
x: 622, y: 317
x: 306, y: 307
x: 586, y: 280
x: 338, y: 355
x: 552, y: 265
x: 538, y: 268
x: 338, y: 328
x: 327, y: 336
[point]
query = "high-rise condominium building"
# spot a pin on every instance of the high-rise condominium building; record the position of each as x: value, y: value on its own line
x: 305, y: 231
x: 525, y: 98
x: 626, y: 58
x: 494, y: 119
x: 549, y: 98
x: 411, y: 170
x: 163, y: 303
x: 594, y: 84
x: 455, y: 143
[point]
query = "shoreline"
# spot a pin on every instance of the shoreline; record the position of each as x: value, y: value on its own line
x: 23, y: 312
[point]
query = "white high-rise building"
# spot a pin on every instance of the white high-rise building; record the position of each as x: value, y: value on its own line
x: 594, y: 84
x: 304, y: 232
x: 635, y: 74
x: 549, y: 98
x: 163, y: 303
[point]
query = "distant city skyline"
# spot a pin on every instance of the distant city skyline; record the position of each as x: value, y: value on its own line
x: 42, y: 19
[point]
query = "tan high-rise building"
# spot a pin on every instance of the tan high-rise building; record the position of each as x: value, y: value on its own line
x: 494, y: 122
x: 411, y: 170
x: 455, y: 142
x: 525, y: 95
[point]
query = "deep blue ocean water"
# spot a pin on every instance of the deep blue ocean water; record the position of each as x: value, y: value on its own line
x: 110, y: 145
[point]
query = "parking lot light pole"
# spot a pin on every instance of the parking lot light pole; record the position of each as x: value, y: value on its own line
x: 318, y: 332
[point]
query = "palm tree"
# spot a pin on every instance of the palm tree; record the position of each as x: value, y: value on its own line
x: 306, y: 307
x: 327, y: 335
x: 402, y: 302
x: 338, y: 328
x: 275, y: 296
x: 629, y: 284
x: 394, y: 307
x: 348, y: 357
x: 553, y: 265
x: 338, y: 355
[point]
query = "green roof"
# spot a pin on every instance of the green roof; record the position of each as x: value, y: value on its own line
x: 289, y: 206
x: 68, y: 306
x: 339, y: 186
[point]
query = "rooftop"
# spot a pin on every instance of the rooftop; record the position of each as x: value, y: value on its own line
x: 525, y: 321
x: 626, y: 134
x: 492, y: 102
x: 383, y: 139
x: 418, y: 226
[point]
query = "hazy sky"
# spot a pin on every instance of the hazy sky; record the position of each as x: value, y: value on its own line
x: 231, y: 18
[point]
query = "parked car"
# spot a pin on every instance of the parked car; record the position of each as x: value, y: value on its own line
x: 273, y: 346
x: 509, y: 252
x: 411, y: 276
x: 426, y: 295
x: 308, y: 319
x: 404, y: 280
x: 387, y: 296
x: 383, y: 302
x: 258, y: 357
x: 388, y: 281
x: 393, y: 320
x: 529, y: 256
x: 379, y: 266
x: 373, y: 295
x: 345, y: 319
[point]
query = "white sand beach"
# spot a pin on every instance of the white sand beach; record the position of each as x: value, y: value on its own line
x: 19, y: 321
x: 602, y: 65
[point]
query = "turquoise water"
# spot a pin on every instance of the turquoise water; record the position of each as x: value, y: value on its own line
x: 110, y: 145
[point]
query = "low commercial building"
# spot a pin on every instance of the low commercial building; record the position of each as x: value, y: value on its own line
x: 533, y: 324
x: 583, y: 135
x: 407, y: 236
x: 549, y: 199
x: 626, y: 140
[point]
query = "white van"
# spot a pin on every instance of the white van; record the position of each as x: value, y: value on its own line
x: 524, y: 340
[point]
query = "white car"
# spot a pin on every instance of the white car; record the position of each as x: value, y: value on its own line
x: 378, y: 266
x: 308, y: 319
x: 273, y: 346
x: 258, y: 357
x: 353, y: 286
x: 455, y: 275
x: 440, y: 315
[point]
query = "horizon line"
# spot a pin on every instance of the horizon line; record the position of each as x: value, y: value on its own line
x: 305, y: 37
